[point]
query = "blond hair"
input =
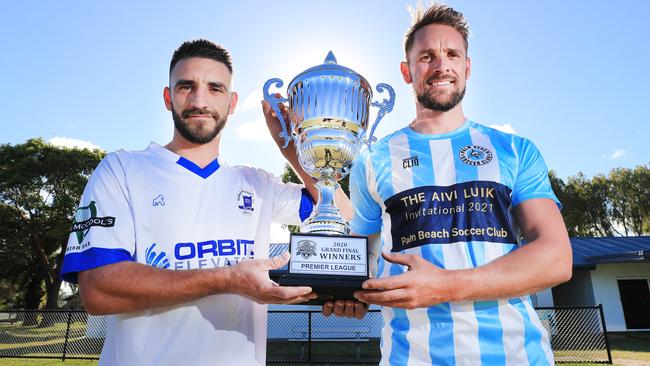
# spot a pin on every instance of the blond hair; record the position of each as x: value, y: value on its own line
x: 436, y: 13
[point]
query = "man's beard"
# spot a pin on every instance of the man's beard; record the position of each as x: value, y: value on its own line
x: 434, y: 102
x: 196, y: 133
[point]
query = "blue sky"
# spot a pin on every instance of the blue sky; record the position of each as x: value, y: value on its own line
x: 571, y: 76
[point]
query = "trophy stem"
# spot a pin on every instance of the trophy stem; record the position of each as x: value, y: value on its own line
x: 326, y: 218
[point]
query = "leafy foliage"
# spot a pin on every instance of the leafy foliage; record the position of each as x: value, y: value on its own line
x: 40, y: 186
x: 617, y: 204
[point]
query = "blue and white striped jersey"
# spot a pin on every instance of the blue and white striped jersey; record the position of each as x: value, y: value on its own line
x: 448, y: 198
x: 160, y: 209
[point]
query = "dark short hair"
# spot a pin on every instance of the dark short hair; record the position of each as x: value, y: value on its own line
x: 201, y: 48
x: 436, y: 14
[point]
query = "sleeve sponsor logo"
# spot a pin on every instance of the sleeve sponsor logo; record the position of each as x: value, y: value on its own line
x: 85, y: 217
x: 464, y: 212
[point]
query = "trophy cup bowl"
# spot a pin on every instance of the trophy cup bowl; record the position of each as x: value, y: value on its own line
x: 328, y: 113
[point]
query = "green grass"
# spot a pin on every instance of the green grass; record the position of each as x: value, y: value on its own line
x: 625, y: 346
x: 45, y: 362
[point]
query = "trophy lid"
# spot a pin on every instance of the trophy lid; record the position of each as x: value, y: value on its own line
x: 331, y: 68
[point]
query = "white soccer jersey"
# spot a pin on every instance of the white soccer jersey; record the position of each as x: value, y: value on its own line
x: 448, y: 198
x: 157, y: 208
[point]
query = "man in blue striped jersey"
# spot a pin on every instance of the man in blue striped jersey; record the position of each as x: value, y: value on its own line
x: 450, y: 199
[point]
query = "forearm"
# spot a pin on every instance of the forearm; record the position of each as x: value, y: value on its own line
x: 529, y: 269
x: 340, y: 199
x: 545, y: 261
x: 129, y: 287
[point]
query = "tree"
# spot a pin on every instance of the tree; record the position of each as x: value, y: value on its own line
x: 40, y: 186
x: 630, y: 198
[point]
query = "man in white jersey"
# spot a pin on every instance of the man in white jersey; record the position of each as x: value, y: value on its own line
x: 173, y: 242
x: 450, y: 198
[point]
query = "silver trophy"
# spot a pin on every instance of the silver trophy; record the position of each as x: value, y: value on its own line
x: 329, y: 108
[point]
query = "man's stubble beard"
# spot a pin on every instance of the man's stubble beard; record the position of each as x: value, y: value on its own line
x: 431, y: 102
x: 195, y: 133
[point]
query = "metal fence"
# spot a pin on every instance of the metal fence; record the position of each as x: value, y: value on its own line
x: 578, y: 334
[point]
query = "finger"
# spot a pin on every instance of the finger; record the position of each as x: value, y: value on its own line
x: 339, y: 307
x: 299, y: 299
x: 386, y: 283
x: 360, y: 309
x: 283, y: 293
x: 399, y: 258
x: 328, y: 308
x: 349, y: 308
x: 384, y: 298
x: 276, y: 262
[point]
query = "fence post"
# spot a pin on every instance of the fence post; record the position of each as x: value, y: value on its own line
x: 67, y: 334
x: 602, y: 320
x: 309, y: 338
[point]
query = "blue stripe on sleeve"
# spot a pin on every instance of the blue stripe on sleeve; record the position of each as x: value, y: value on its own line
x: 73, y: 263
x: 306, y: 205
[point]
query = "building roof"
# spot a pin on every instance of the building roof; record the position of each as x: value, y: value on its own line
x: 587, y: 252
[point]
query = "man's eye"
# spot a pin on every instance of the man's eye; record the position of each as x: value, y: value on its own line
x: 184, y: 87
x: 425, y: 58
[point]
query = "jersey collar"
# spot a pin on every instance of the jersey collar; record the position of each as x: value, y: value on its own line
x: 204, y: 172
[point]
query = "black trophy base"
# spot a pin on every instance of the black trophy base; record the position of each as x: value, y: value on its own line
x: 327, y: 287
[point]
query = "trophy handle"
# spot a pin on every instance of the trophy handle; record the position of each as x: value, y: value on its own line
x: 275, y: 101
x: 384, y: 106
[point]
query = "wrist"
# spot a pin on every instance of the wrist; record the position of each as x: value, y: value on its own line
x: 224, y: 280
x: 461, y: 284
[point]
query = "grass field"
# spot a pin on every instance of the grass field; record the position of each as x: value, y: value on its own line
x: 628, y: 349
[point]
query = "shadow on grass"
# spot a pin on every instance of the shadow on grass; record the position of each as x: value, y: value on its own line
x: 629, y: 341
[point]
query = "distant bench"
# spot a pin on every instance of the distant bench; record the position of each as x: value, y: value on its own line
x: 331, y: 334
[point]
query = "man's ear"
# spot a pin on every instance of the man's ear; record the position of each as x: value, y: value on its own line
x: 406, y: 73
x: 167, y: 97
x: 233, y: 102
x: 468, y: 70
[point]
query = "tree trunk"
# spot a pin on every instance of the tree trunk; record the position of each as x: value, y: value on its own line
x: 33, y: 295
x: 52, y: 301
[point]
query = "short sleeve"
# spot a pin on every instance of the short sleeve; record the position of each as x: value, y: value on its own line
x: 102, y: 230
x: 367, y: 211
x: 291, y: 202
x: 532, y: 177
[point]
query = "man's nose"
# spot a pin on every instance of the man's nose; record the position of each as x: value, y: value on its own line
x: 199, y: 98
x: 440, y: 65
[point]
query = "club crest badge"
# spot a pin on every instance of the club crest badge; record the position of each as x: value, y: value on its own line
x: 245, y: 202
x: 306, y: 249
x: 475, y: 155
